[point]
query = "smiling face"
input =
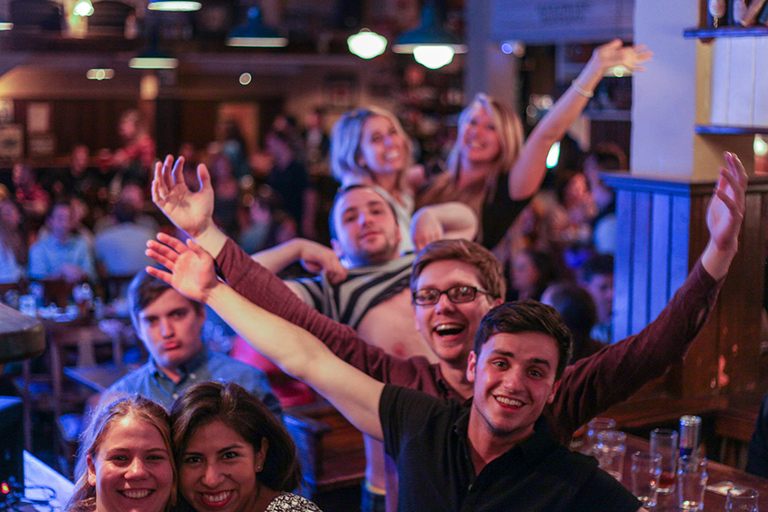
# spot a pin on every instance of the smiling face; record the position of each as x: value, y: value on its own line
x: 131, y: 469
x: 450, y: 328
x: 382, y: 147
x: 513, y: 379
x: 480, y: 141
x: 366, y: 229
x: 170, y: 328
x: 218, y: 470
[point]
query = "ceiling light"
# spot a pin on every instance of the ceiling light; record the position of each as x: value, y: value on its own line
x: 367, y: 44
x: 83, y: 8
x: 441, y: 44
x: 5, y: 25
x: 100, y: 74
x: 253, y: 33
x: 152, y: 58
x: 174, y: 5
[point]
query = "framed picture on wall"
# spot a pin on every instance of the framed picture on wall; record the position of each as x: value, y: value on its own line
x: 341, y: 91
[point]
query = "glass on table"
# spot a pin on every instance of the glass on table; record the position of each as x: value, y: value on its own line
x: 646, y: 470
x: 741, y: 499
x: 609, y: 451
x: 692, y: 482
x: 594, y: 427
x: 664, y: 443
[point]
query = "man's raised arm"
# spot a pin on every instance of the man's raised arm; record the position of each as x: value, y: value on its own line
x: 293, y: 349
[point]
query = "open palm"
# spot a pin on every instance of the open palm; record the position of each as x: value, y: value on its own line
x: 189, y: 211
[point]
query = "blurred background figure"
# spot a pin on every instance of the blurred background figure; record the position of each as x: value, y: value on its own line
x: 316, y: 141
x: 119, y: 249
x: 60, y: 254
x: 597, y: 278
x: 134, y: 161
x: 13, y: 242
x: 233, y: 146
x: 578, y: 312
x: 34, y: 201
x: 607, y: 157
x: 288, y: 178
x: 267, y: 225
x: 531, y: 272
x: 226, y: 191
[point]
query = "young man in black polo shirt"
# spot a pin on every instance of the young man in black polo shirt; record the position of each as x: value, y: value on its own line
x: 480, y: 455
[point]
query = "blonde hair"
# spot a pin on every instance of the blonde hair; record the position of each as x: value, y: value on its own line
x: 345, y: 144
x: 133, y: 406
x: 509, y: 129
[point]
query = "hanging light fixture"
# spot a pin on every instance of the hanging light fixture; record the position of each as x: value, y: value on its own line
x: 432, y: 46
x: 253, y: 33
x: 174, y: 5
x: 83, y: 8
x: 153, y: 58
x: 367, y: 44
x: 100, y: 74
x: 5, y: 24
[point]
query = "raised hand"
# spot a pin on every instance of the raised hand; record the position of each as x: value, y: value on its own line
x: 616, y: 54
x: 425, y: 228
x: 189, y: 211
x: 190, y: 267
x: 726, y: 209
x: 317, y: 258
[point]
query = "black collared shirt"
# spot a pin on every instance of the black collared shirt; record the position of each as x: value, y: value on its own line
x: 427, y: 437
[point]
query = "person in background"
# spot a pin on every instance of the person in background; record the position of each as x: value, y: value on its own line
x: 269, y: 225
x: 125, y: 460
x: 14, y: 251
x: 235, y: 149
x: 170, y: 326
x: 233, y: 453
x: 119, y: 249
x: 34, y: 201
x: 134, y: 195
x: 596, y: 277
x: 531, y: 272
x: 60, y: 254
x: 227, y: 194
x: 605, y: 157
x: 316, y: 141
x: 134, y: 160
x: 289, y: 179
x: 492, y: 170
x: 577, y: 309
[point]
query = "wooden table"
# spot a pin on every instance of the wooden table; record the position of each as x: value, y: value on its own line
x: 717, y: 473
x: 99, y: 377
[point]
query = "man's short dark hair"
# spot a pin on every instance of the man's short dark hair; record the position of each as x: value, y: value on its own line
x: 144, y: 290
x: 489, y: 270
x: 340, y: 194
x: 597, y: 265
x: 527, y: 316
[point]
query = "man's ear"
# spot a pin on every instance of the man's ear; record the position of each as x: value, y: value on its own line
x: 551, y: 396
x: 336, y: 246
x: 471, y: 366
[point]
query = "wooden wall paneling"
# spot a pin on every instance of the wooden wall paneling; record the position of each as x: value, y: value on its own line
x: 662, y: 232
x: 167, y: 126
x: 622, y: 283
x: 198, y: 123
x: 639, y: 313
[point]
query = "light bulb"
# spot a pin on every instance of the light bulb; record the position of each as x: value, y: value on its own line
x: 366, y: 44
x: 83, y: 8
x: 433, y: 56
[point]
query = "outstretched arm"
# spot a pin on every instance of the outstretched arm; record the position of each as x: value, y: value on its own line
x: 293, y: 349
x: 190, y: 211
x: 594, y: 384
x: 528, y: 171
x: 724, y: 217
x: 443, y: 221
x: 314, y: 257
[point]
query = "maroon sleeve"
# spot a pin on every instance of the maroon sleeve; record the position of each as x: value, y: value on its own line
x: 596, y: 383
x: 264, y: 289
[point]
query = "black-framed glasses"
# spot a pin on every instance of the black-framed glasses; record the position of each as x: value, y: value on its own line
x: 458, y: 295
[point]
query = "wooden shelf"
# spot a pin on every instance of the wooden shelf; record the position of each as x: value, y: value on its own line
x: 709, y: 33
x: 708, y: 129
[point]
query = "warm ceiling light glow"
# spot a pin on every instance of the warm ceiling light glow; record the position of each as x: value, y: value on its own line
x: 100, y: 74
x: 174, y: 5
x: 760, y: 146
x: 245, y: 79
x: 83, y: 8
x: 366, y: 44
x: 433, y: 56
x: 5, y: 25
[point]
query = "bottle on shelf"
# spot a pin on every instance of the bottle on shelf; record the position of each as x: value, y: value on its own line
x: 717, y: 11
x: 736, y: 12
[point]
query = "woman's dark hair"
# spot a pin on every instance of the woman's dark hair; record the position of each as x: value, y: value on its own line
x: 239, y: 410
